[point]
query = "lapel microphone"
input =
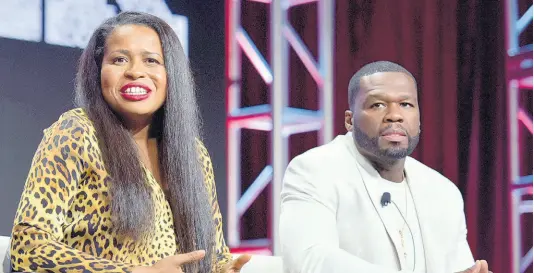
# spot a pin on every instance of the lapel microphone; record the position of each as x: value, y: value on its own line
x: 386, y: 200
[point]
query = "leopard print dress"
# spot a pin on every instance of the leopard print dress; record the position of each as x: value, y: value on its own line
x: 63, y: 220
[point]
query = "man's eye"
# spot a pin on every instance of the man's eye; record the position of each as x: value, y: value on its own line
x: 378, y: 105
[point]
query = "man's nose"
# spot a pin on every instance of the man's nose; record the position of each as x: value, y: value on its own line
x: 393, y: 114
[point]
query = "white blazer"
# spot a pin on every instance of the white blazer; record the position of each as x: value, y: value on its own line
x: 331, y: 221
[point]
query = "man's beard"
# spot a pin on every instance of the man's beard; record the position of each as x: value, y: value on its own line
x: 392, y: 153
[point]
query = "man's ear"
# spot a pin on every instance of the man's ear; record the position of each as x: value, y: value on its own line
x: 348, y: 120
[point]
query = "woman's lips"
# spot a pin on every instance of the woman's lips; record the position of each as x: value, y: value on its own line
x: 135, y: 92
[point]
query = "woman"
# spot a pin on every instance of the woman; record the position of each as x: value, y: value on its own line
x: 122, y: 184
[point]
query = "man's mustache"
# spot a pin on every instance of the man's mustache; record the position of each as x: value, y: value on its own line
x: 396, y: 127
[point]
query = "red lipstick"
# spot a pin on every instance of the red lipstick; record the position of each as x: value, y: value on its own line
x: 135, y: 91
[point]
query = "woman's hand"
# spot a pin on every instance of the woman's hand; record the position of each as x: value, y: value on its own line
x: 172, y: 264
x: 236, y: 265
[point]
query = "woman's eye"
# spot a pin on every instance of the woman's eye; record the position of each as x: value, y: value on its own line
x: 152, y: 61
x: 119, y: 60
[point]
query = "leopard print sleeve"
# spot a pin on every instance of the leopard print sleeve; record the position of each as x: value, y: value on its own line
x: 58, y: 166
x: 222, y: 252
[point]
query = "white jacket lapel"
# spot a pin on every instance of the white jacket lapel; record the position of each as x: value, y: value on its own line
x: 369, y: 177
x: 416, y: 180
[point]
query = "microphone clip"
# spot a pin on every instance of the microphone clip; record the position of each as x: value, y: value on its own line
x: 386, y: 199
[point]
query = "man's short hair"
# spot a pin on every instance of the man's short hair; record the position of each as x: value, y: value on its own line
x: 370, y: 69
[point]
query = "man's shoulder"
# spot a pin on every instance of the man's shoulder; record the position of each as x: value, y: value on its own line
x: 433, y: 178
x: 419, y: 166
x: 327, y: 154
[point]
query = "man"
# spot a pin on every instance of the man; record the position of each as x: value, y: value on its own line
x: 360, y: 204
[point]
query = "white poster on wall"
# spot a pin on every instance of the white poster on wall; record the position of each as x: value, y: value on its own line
x: 70, y: 23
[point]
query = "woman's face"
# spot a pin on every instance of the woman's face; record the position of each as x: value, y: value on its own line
x: 133, y: 75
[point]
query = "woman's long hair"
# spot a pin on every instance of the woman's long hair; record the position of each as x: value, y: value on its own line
x: 177, y: 124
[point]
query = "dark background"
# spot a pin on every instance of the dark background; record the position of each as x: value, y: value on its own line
x: 36, y: 86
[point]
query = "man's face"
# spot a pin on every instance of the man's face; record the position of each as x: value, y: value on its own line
x: 385, y: 116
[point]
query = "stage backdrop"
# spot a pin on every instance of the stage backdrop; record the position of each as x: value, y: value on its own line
x: 38, y: 57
